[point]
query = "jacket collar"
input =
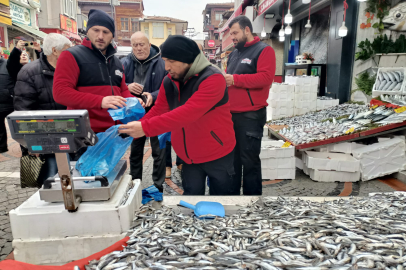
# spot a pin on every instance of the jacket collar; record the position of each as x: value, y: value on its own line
x: 110, y: 49
x: 154, y: 53
x: 255, y: 41
x: 46, y: 68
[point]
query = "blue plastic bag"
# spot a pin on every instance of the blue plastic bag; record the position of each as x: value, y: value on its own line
x: 132, y: 112
x: 163, y: 138
x: 150, y: 193
x: 104, y: 156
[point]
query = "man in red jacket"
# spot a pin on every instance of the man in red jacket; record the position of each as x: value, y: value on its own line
x: 193, y: 104
x: 250, y: 73
x: 90, y: 77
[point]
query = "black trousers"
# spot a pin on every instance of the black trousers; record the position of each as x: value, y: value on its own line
x: 249, y: 128
x: 221, y: 173
x: 168, y: 156
x: 137, y: 155
x: 3, y: 131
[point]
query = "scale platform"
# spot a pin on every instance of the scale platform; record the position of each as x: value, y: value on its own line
x: 89, y: 192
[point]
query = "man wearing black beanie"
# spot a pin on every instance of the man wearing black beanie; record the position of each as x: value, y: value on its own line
x: 90, y: 76
x: 193, y: 104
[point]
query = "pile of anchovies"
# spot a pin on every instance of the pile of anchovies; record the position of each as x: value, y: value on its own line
x: 273, y: 233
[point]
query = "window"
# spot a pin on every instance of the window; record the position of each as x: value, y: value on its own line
x: 69, y: 8
x: 169, y: 31
x: 146, y: 31
x: 158, y: 30
x: 134, y: 25
x: 219, y: 16
x: 124, y: 24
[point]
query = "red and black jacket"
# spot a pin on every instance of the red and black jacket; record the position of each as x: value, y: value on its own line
x: 197, y: 113
x: 253, y: 70
x: 84, y: 76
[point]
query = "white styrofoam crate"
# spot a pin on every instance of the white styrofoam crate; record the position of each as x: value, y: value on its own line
x: 299, y: 163
x: 345, y: 147
x: 302, y: 88
x: 278, y: 173
x: 280, y: 88
x: 266, y: 131
x: 278, y: 163
x: 332, y: 176
x: 296, y: 80
x: 276, y: 152
x: 320, y: 105
x: 377, y: 92
x: 300, y: 111
x: 288, y: 104
x: 281, y: 96
x: 278, y: 114
x: 331, y: 161
x: 314, y: 81
x: 382, y: 158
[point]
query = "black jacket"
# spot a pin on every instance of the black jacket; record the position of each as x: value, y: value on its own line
x: 13, y: 63
x: 33, y: 90
x: 155, y: 74
x: 6, y: 88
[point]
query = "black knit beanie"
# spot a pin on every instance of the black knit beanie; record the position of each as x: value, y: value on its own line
x: 100, y: 18
x: 180, y: 48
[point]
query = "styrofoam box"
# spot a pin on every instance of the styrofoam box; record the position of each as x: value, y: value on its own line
x: 279, y: 88
x: 278, y: 163
x: 332, y: 176
x: 300, y: 111
x: 345, y: 147
x: 303, y: 104
x: 278, y: 173
x: 376, y: 92
x: 331, y: 161
x: 382, y: 158
x: 277, y: 152
x: 320, y: 105
x: 281, y: 104
x: 281, y: 96
x: 314, y: 81
x: 280, y: 110
x: 299, y: 163
x: 302, y: 80
x: 266, y: 131
x: 274, y: 115
x: 302, y: 88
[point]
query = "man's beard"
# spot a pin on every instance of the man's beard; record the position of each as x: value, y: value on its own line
x: 241, y: 43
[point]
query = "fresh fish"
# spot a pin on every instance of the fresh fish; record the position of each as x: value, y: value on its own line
x: 396, y: 18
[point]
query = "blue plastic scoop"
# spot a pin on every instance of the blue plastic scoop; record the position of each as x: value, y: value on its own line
x: 206, y: 208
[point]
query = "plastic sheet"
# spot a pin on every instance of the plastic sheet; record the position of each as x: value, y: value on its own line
x: 104, y: 156
x: 132, y: 112
x: 163, y: 138
x: 151, y: 193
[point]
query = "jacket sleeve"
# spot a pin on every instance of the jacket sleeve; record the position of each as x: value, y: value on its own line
x: 64, y: 87
x: 210, y: 92
x: 13, y: 63
x: 124, y: 61
x: 265, y: 72
x: 25, y: 93
x: 38, y: 53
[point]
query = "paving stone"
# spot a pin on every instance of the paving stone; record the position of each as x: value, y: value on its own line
x: 6, y: 250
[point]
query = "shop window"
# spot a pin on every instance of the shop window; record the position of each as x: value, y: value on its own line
x: 169, y: 31
x: 219, y: 16
x: 146, y: 31
x: 124, y: 24
x: 69, y: 8
x: 158, y: 30
x: 134, y: 25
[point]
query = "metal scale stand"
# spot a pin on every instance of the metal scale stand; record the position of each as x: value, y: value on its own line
x: 61, y: 133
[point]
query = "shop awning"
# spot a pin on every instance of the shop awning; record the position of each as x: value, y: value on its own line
x: 267, y: 4
x: 5, y: 18
x: 71, y: 35
x: 29, y: 30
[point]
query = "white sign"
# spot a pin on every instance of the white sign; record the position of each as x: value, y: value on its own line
x: 20, y: 14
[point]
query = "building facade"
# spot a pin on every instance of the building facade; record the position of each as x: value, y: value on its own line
x: 126, y: 15
x: 159, y: 28
x: 60, y: 16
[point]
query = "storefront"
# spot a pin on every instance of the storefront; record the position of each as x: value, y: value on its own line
x: 68, y: 28
x: 24, y: 25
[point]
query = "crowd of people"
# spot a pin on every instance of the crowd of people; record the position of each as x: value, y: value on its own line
x: 216, y: 119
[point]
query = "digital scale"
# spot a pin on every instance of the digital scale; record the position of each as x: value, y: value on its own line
x: 61, y: 133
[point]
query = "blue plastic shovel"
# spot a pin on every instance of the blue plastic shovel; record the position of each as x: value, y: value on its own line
x: 206, y: 208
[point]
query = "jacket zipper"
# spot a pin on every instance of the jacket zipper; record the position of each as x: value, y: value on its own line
x: 101, y: 71
x: 249, y: 95
x: 108, y: 72
x: 184, y: 142
x: 214, y: 135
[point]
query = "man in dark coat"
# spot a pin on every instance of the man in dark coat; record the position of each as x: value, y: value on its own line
x: 6, y: 101
x: 33, y: 90
x: 144, y: 71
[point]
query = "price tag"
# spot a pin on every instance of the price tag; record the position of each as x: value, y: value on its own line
x: 351, y: 130
x: 400, y: 110
x: 286, y: 145
x: 374, y: 107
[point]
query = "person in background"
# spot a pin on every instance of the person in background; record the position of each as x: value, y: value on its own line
x: 144, y: 71
x: 33, y: 90
x: 17, y: 59
x: 6, y: 101
x: 193, y: 105
x: 250, y: 73
x: 90, y: 76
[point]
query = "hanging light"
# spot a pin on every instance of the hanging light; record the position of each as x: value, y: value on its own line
x: 288, y: 30
x: 362, y: 0
x: 288, y: 17
x: 308, y: 25
x: 342, y: 32
x: 305, y: 1
x: 263, y: 33
x: 282, y: 32
x: 282, y: 38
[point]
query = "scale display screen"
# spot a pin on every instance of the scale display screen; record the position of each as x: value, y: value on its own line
x: 46, y: 126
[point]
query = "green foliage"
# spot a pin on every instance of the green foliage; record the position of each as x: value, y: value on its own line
x: 366, y: 50
x: 381, y: 44
x: 365, y: 83
x: 381, y: 9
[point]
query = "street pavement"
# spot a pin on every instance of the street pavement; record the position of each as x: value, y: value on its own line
x: 11, y: 194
